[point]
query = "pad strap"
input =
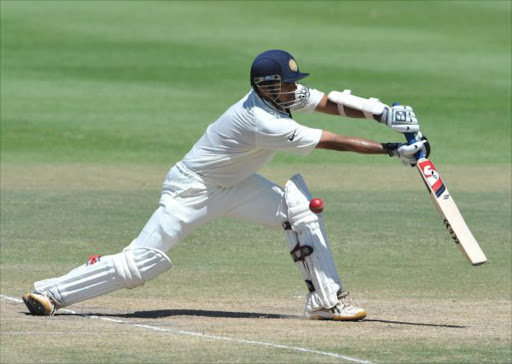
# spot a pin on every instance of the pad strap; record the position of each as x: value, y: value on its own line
x: 299, y: 253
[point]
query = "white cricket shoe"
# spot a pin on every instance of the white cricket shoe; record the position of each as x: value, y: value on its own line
x: 343, y: 311
x: 39, y: 304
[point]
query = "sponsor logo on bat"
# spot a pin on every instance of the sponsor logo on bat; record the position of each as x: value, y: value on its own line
x: 432, y: 177
x: 452, y: 233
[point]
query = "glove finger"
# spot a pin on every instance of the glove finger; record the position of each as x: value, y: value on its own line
x: 419, y: 145
x: 402, y: 108
x: 409, y: 150
x: 403, y: 128
x: 408, y: 120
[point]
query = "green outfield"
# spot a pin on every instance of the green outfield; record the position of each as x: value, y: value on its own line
x: 99, y: 99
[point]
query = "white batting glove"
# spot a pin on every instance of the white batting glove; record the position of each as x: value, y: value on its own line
x: 401, y: 119
x: 406, y: 152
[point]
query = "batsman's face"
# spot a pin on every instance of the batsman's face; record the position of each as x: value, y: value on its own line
x: 287, y: 91
x: 285, y: 94
x: 280, y: 91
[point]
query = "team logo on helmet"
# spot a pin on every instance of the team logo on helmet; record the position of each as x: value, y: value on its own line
x: 293, y: 65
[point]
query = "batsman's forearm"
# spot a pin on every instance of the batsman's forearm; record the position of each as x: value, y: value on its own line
x: 328, y: 107
x: 344, y: 143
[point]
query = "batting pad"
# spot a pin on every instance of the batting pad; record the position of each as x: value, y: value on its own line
x: 128, y: 269
x: 309, y: 247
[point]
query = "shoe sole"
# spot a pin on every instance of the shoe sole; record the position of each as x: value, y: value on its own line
x: 35, y: 306
x: 357, y: 317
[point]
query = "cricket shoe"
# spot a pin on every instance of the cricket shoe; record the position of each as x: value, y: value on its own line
x: 343, y: 311
x: 39, y: 304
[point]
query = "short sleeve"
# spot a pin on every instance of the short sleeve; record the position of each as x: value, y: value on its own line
x: 314, y: 99
x: 283, y: 133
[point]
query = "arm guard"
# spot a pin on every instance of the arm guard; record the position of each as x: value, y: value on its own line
x: 370, y: 107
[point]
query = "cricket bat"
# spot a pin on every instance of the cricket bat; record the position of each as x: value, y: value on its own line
x: 452, y: 218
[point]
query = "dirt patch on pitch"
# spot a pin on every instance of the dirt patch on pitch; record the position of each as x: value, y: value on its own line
x: 477, y: 178
x: 151, y: 329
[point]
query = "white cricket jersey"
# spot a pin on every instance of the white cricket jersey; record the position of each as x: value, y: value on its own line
x: 246, y: 137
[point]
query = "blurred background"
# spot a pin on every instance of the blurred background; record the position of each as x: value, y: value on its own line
x: 138, y: 81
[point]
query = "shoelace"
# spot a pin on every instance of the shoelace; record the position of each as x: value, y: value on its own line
x: 344, y: 299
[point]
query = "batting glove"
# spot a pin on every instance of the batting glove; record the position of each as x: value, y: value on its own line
x: 401, y: 119
x: 406, y: 152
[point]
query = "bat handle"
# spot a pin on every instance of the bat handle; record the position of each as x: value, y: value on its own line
x: 413, y: 138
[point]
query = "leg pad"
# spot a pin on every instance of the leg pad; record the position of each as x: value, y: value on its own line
x: 128, y: 269
x: 305, y: 237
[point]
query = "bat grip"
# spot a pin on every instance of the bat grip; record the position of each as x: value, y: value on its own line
x: 413, y: 138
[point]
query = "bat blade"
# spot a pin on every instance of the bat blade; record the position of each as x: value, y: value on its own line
x: 450, y: 213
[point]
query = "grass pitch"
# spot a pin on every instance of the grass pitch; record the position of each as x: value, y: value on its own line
x: 236, y: 281
x: 98, y: 99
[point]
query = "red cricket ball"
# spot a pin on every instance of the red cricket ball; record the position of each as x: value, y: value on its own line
x: 316, y: 205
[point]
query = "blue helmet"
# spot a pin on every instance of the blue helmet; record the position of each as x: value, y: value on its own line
x: 275, y: 65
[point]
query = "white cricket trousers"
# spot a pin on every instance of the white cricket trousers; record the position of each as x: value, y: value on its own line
x: 189, y: 201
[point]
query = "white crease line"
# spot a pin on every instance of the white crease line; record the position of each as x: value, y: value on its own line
x: 11, y: 298
x: 213, y: 337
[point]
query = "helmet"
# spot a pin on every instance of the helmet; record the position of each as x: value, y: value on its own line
x: 272, y: 63
x: 269, y: 70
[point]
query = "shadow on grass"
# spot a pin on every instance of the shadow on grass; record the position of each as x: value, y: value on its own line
x: 205, y: 313
x: 155, y: 314
x: 414, y: 323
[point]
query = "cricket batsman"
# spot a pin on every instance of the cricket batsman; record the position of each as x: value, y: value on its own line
x: 218, y: 177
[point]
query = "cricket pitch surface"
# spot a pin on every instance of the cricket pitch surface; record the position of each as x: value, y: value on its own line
x: 240, y: 299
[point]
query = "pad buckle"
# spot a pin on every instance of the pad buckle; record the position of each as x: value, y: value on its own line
x: 299, y: 253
